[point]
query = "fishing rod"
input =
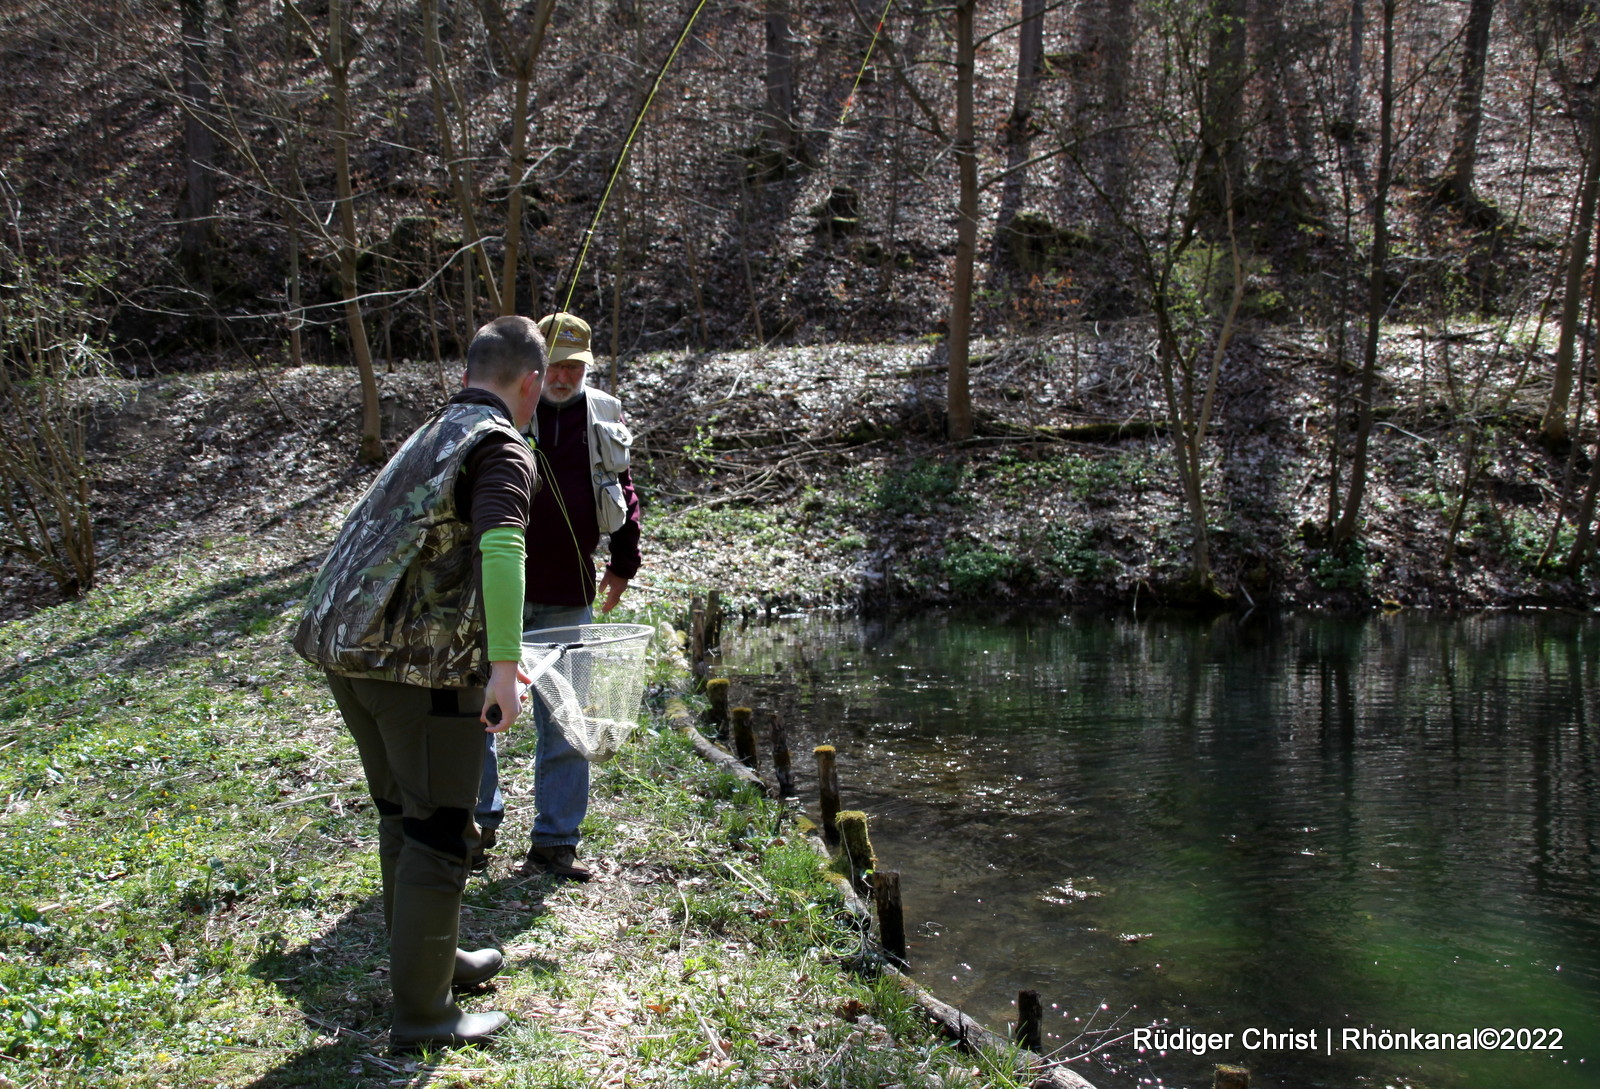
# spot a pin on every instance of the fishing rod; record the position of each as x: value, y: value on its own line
x: 622, y: 155
x: 877, y: 32
x: 627, y: 145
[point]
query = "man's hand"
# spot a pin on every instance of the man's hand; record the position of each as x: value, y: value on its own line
x: 611, y: 587
x: 502, y: 700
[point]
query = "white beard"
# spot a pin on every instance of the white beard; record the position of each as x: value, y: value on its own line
x: 554, y: 403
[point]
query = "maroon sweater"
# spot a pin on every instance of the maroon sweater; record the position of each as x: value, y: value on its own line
x: 563, y: 531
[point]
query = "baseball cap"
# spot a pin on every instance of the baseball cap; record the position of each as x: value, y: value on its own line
x: 567, y: 336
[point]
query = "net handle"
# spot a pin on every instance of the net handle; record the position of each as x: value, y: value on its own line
x: 549, y: 659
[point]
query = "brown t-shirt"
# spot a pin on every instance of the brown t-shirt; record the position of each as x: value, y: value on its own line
x: 498, y: 478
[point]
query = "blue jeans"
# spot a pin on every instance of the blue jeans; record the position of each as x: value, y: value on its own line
x: 560, y: 773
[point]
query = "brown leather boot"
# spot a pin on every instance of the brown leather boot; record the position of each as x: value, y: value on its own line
x: 560, y: 862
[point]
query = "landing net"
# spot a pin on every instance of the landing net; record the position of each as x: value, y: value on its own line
x: 590, y: 678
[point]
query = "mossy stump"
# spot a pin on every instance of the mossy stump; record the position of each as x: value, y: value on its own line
x: 828, y: 788
x: 1231, y: 1077
x: 716, y: 716
x: 744, y: 736
x: 856, y: 858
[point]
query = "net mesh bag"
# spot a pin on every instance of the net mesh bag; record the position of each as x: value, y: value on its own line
x: 590, y: 677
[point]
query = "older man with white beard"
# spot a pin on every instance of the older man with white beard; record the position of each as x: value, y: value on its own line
x: 581, y: 443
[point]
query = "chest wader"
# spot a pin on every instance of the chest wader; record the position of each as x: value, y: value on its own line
x: 395, y: 617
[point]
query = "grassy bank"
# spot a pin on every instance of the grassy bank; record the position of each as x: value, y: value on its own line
x: 192, y: 888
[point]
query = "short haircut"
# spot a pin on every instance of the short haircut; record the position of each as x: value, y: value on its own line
x: 504, y: 350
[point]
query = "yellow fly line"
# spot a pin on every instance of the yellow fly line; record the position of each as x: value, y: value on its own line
x: 622, y: 157
x: 877, y: 32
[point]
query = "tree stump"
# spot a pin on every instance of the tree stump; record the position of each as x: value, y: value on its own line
x: 716, y: 716
x: 891, y: 917
x: 1030, y: 1021
x: 744, y: 736
x: 828, y: 788
x: 782, y: 766
x: 1231, y: 1077
x: 857, y: 855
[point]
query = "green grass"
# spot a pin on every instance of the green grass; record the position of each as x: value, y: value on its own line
x: 922, y: 486
x: 186, y: 849
x: 1095, y: 481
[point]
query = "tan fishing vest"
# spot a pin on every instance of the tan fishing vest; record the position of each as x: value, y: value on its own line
x: 610, y: 445
x: 398, y: 597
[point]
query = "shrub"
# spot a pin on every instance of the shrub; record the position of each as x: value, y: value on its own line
x: 52, y: 339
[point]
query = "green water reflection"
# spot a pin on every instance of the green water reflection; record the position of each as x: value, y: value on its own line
x: 1289, y: 824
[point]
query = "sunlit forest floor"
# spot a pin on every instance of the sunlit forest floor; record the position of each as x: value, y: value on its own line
x: 803, y: 477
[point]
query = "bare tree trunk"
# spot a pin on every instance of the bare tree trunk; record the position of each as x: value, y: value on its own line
x: 958, y: 395
x: 371, y: 448
x: 1191, y: 400
x: 1350, y: 114
x: 517, y: 167
x: 1469, y: 103
x: 456, y: 163
x: 1553, y: 428
x: 619, y: 265
x: 297, y: 319
x: 1283, y: 170
x: 1104, y: 39
x: 778, y: 128
x: 1377, y: 292
x: 296, y: 315
x: 1019, y: 126
x: 1584, y: 539
x: 199, y: 146
x: 1221, y: 170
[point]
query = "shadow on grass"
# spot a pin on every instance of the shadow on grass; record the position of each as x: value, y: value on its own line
x: 340, y: 982
x: 166, y: 635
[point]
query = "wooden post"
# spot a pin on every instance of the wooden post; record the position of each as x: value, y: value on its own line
x: 697, y: 642
x: 1231, y: 1077
x: 781, y: 767
x: 828, y: 787
x: 1030, y: 1017
x: 744, y: 736
x: 857, y: 857
x: 697, y: 628
x: 714, y: 618
x: 891, y: 919
x: 716, y: 716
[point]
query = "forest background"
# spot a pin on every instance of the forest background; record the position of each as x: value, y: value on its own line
x: 1226, y: 303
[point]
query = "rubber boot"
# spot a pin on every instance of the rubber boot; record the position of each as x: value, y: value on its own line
x: 475, y: 968
x: 424, y: 923
x: 471, y: 969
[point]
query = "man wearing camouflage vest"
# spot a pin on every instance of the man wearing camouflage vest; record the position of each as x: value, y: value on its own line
x: 415, y: 616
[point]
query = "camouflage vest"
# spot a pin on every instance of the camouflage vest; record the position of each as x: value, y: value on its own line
x: 398, y: 597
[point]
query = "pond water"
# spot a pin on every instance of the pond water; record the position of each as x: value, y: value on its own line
x: 1288, y: 830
